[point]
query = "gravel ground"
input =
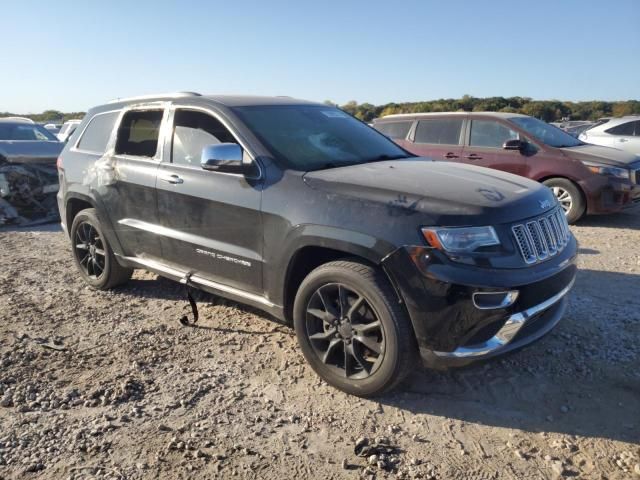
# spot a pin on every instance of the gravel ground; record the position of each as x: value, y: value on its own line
x: 110, y: 385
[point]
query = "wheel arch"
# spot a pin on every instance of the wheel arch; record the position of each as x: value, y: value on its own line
x: 75, y: 202
x: 309, y: 253
x: 585, y: 197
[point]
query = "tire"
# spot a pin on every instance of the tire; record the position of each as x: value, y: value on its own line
x: 569, y: 196
x: 93, y: 255
x: 338, y: 293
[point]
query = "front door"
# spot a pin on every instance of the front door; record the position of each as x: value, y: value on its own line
x: 484, y: 147
x: 211, y: 221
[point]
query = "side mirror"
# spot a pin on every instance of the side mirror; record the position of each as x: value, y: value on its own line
x: 222, y: 157
x: 514, y: 145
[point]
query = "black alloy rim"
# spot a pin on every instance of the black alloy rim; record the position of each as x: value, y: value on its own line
x: 345, y: 332
x: 89, y: 249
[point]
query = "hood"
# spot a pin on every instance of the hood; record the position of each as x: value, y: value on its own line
x: 30, y: 151
x: 600, y: 154
x: 449, y: 193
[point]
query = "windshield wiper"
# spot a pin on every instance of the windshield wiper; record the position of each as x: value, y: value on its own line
x: 385, y: 157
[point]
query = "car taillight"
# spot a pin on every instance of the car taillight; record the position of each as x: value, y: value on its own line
x: 59, y: 163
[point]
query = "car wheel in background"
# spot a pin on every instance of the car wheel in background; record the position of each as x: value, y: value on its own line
x: 569, y: 197
x: 352, y: 330
x: 93, y: 255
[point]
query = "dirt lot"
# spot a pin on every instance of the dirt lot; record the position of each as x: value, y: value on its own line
x: 110, y: 385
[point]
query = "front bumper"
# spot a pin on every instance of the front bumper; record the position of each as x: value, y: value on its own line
x: 611, y: 195
x: 520, y: 329
x: 452, y: 329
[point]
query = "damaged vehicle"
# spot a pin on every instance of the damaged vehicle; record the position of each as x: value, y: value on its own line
x: 28, y: 175
x: 375, y: 256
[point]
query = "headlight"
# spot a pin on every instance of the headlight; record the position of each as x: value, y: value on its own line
x: 460, y: 240
x: 608, y: 171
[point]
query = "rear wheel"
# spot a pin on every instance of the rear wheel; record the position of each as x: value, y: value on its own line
x: 352, y: 330
x: 93, y: 255
x: 569, y: 197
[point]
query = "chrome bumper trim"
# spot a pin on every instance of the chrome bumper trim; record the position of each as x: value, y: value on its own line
x: 500, y: 341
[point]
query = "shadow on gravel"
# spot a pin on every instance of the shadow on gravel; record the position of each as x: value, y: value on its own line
x: 629, y: 219
x: 163, y: 288
x: 46, y: 227
x: 581, y: 379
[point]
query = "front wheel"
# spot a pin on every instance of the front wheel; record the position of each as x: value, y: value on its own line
x: 569, y: 197
x: 352, y: 330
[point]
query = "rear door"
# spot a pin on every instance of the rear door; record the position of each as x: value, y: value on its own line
x: 484, y: 146
x: 124, y: 177
x: 625, y: 136
x: 211, y: 221
x: 439, y: 138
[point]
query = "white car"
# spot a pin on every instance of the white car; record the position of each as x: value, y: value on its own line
x: 622, y: 133
x: 67, y: 129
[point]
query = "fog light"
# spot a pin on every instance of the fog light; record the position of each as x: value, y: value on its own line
x: 494, y: 300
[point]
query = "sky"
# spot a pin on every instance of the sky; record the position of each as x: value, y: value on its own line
x: 71, y: 56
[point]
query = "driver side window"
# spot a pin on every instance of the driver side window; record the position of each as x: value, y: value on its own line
x: 192, y: 132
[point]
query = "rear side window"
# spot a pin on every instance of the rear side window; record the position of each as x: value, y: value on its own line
x: 487, y: 133
x: 397, y: 130
x: 97, y: 134
x: 138, y: 133
x: 192, y: 132
x: 443, y: 131
x: 625, y: 129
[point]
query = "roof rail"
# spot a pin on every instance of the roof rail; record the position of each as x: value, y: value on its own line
x: 158, y: 95
x: 18, y: 119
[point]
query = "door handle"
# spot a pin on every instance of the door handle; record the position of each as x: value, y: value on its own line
x: 624, y: 140
x: 173, y: 179
x: 473, y: 156
x: 450, y: 155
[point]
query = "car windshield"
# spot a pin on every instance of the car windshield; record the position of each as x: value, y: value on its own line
x: 25, y: 131
x: 315, y: 137
x: 547, y: 134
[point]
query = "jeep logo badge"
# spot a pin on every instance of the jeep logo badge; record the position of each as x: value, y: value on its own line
x: 544, y: 204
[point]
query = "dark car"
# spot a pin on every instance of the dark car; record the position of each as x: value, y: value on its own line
x: 373, y: 255
x: 28, y: 176
x: 586, y: 179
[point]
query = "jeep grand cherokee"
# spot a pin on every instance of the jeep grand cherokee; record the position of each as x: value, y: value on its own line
x: 375, y: 256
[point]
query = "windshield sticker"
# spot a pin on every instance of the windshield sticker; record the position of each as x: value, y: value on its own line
x: 334, y: 114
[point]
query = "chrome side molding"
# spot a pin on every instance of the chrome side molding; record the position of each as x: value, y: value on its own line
x: 179, y: 275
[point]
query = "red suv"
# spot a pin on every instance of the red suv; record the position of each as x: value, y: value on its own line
x: 586, y: 179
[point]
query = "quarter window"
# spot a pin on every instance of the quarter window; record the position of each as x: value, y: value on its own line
x: 487, y: 133
x: 440, y: 131
x: 626, y: 129
x: 192, y: 132
x: 138, y: 133
x: 97, y: 134
x: 396, y: 130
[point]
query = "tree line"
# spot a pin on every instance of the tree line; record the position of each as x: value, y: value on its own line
x: 48, y: 116
x: 547, y: 110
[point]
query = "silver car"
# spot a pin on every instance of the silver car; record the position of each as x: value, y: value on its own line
x: 622, y: 133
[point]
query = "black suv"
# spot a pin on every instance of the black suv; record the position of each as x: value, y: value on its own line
x: 299, y: 209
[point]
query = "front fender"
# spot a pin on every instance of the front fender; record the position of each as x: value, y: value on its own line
x: 349, y: 242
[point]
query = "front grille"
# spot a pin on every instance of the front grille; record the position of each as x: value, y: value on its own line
x: 542, y: 237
